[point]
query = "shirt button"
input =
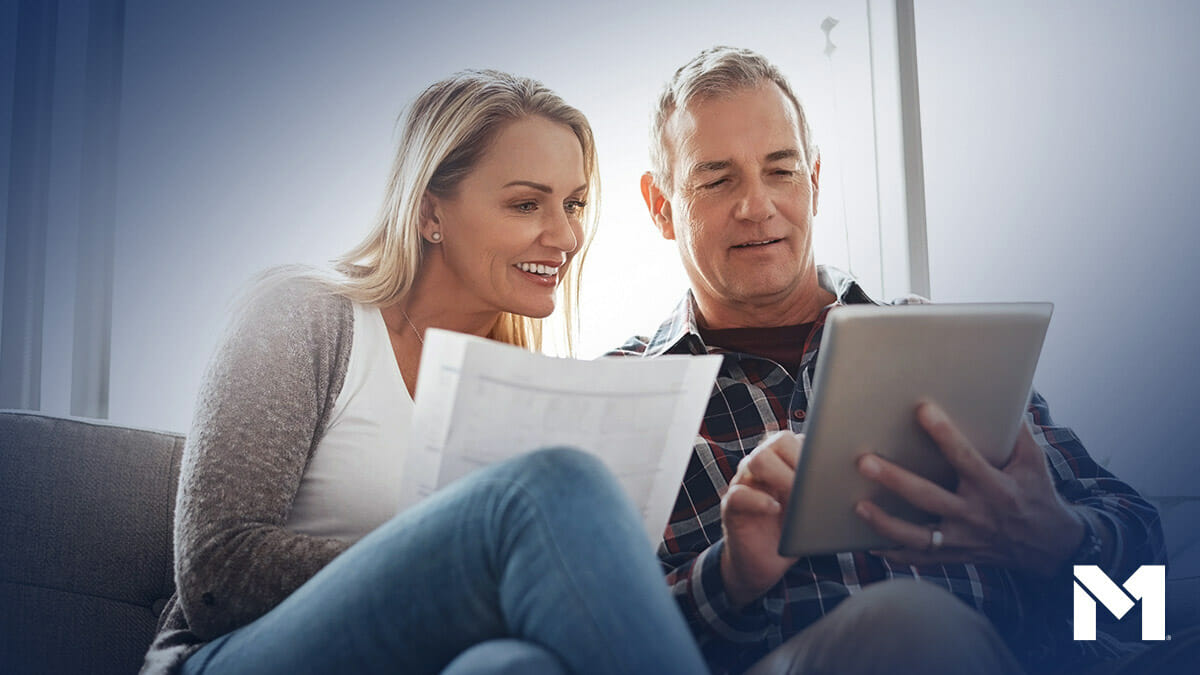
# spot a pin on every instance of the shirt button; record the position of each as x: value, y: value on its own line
x: 799, y: 414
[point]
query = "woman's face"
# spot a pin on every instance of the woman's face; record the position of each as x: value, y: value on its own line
x: 515, y: 220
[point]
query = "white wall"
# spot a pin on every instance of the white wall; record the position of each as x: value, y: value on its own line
x: 253, y: 136
x: 1062, y: 159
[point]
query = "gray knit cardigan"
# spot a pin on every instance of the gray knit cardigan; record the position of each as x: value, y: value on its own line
x: 261, y: 411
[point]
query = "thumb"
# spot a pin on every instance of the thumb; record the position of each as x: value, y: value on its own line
x: 1027, y: 453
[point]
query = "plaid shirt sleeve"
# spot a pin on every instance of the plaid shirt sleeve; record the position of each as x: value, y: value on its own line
x: 700, y: 592
x: 1132, y: 521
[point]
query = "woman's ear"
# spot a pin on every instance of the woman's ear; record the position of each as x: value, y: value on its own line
x: 431, y: 222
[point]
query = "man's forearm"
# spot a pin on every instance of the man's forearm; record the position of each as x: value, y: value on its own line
x: 704, y: 598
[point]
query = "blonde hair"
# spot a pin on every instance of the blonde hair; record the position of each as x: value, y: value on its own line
x: 714, y: 72
x: 446, y: 132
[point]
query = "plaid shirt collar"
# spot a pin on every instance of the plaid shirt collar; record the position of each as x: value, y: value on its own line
x: 680, y: 333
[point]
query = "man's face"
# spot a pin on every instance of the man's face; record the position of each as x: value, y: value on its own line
x: 744, y: 197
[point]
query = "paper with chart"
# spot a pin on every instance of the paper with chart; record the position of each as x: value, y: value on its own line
x: 479, y: 402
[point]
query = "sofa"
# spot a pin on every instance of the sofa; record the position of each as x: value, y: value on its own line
x: 86, y: 513
x: 85, y: 542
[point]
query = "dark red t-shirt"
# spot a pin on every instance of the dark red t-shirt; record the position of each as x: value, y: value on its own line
x: 782, y: 344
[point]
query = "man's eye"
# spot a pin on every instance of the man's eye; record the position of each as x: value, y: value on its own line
x: 784, y: 172
x: 716, y: 183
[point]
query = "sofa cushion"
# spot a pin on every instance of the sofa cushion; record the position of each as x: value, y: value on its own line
x: 85, y: 541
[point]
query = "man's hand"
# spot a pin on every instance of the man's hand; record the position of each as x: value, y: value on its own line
x: 1011, y: 517
x: 752, y: 512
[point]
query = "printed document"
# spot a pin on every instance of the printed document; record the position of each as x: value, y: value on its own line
x: 479, y: 401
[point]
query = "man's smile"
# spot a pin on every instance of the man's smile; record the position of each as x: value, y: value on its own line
x: 755, y: 244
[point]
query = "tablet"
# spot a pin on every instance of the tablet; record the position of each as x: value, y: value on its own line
x: 876, y: 364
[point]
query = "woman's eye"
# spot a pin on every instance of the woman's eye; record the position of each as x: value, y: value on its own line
x: 526, y: 207
x: 574, y: 206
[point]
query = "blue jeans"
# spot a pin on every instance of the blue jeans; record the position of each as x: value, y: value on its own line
x: 541, y: 556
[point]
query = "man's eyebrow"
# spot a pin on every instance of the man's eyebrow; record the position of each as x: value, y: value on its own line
x: 541, y: 187
x: 722, y: 164
x: 709, y: 167
x: 790, y: 153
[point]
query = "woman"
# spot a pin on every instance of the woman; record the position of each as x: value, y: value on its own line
x: 288, y: 555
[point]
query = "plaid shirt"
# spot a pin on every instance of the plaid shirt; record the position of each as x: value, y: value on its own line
x: 754, y: 397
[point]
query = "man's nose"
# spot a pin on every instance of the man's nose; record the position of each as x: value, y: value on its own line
x: 755, y: 203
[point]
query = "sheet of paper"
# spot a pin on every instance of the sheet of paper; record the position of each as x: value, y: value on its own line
x: 479, y: 402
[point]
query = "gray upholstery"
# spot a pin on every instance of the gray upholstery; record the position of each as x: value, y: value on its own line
x: 85, y: 542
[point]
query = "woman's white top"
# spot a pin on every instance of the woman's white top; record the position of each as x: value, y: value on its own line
x: 352, y: 483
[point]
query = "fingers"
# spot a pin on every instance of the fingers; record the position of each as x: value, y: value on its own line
x: 786, y: 445
x: 902, y: 532
x: 966, y: 533
x: 955, y: 447
x: 771, y: 467
x: 743, y: 500
x: 918, y: 491
x: 765, y: 471
x: 956, y: 534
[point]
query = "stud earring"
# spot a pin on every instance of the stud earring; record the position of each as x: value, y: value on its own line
x: 435, y: 237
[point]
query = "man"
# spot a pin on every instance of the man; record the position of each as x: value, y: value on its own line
x: 735, y: 183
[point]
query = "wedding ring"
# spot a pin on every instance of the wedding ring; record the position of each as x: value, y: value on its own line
x: 935, y: 540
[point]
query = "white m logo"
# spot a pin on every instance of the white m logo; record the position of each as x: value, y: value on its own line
x: 1148, y: 584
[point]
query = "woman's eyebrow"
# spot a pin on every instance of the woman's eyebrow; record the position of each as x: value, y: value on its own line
x: 540, y: 187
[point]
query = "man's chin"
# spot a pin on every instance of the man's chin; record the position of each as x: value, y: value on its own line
x: 765, y: 291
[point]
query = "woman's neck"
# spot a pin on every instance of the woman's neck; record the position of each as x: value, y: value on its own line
x: 434, y: 303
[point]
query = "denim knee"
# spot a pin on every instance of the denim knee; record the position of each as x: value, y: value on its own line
x: 565, y: 466
x: 506, y: 656
x: 569, y: 481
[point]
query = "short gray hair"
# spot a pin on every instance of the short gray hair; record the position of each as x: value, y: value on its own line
x: 714, y: 72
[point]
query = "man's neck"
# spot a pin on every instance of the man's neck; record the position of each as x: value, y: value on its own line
x: 803, y: 305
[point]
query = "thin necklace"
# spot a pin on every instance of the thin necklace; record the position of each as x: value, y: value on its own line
x: 414, y: 328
